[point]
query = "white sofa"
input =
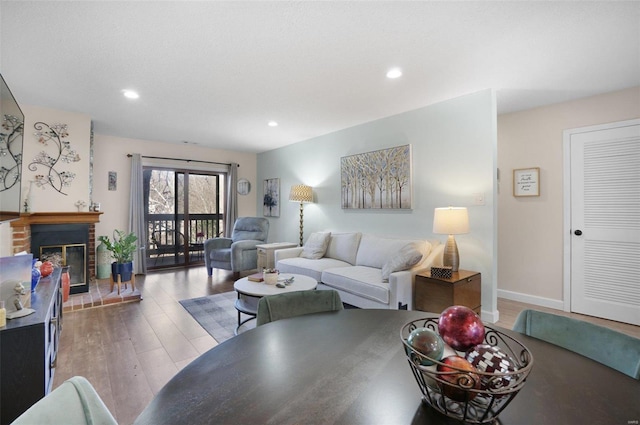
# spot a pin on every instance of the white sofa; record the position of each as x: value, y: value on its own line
x: 356, y: 265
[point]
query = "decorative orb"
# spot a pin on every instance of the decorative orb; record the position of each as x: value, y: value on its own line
x: 460, y: 327
x: 46, y: 268
x: 427, y: 343
x: 460, y: 378
x: 490, y: 359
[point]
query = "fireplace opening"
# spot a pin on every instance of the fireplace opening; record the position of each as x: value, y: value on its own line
x: 69, y: 243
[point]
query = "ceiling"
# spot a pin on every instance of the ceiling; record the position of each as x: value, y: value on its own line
x: 214, y: 73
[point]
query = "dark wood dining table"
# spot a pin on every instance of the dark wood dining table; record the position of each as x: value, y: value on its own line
x: 349, y: 367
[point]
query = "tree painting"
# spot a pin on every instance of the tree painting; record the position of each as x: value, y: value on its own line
x: 377, y: 180
x: 271, y: 199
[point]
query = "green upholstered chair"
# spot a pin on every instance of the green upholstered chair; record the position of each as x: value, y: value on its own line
x: 297, y: 303
x: 75, y: 402
x: 614, y: 349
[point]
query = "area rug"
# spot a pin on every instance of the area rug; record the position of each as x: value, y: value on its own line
x: 217, y: 314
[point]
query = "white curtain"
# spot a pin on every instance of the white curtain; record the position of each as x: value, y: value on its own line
x: 231, y: 204
x: 136, y: 214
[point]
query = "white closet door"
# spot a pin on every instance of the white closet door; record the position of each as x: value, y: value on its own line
x: 605, y: 222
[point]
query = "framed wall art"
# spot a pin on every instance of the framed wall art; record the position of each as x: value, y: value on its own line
x: 526, y: 181
x: 113, y: 180
x: 271, y: 198
x: 377, y: 180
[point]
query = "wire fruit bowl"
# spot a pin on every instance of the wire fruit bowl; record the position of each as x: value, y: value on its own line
x: 457, y: 393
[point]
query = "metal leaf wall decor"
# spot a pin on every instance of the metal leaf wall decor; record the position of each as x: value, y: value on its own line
x: 57, y: 150
x: 11, y: 155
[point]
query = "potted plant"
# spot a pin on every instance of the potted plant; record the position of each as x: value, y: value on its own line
x: 122, y: 249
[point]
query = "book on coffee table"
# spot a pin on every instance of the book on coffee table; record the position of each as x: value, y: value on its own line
x: 256, y: 277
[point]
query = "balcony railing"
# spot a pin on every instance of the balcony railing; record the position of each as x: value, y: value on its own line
x: 169, y: 234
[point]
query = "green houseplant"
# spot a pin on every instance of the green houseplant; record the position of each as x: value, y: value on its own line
x: 122, y: 249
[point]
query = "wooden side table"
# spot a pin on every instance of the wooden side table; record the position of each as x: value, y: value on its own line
x: 434, y: 294
x: 266, y: 253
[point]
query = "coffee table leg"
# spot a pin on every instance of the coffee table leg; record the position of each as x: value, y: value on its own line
x: 243, y: 309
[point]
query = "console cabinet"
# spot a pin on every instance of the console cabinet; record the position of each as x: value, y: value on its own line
x: 434, y: 294
x: 28, y: 351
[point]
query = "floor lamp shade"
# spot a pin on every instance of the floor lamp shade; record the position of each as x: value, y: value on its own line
x: 303, y: 194
x: 451, y: 221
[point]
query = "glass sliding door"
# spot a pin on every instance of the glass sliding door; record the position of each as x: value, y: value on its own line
x: 184, y: 208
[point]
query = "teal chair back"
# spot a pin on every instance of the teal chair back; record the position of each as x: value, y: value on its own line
x: 614, y: 349
x: 74, y: 402
x: 297, y: 303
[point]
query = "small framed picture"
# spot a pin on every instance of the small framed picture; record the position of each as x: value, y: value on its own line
x: 271, y: 198
x: 113, y: 180
x: 526, y: 182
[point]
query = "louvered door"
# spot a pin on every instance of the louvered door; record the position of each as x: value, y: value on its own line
x: 605, y: 222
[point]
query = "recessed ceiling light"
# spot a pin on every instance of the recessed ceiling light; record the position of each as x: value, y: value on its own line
x: 130, y: 94
x: 394, y: 73
x: 272, y: 124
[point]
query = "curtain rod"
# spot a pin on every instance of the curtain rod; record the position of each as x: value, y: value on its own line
x: 180, y: 159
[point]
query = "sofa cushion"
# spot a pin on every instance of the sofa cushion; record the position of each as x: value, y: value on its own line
x: 404, y: 259
x: 344, y: 246
x: 363, y: 281
x: 308, y: 267
x: 375, y: 251
x: 316, y: 245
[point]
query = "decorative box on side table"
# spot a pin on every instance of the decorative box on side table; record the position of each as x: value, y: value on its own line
x: 434, y: 294
x: 265, y: 253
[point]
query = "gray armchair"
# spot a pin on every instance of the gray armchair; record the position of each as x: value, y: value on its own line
x: 239, y: 252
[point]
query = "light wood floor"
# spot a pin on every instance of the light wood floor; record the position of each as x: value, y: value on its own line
x: 129, y: 351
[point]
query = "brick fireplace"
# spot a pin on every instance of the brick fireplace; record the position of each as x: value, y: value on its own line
x: 51, y: 222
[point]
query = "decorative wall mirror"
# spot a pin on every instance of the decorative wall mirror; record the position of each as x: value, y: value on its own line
x: 11, y: 134
x: 244, y: 187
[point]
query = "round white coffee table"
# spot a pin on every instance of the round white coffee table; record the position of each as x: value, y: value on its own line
x: 250, y: 292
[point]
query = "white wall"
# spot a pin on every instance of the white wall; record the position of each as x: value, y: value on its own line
x: 530, y: 229
x: 45, y: 198
x: 111, y: 155
x: 454, y: 149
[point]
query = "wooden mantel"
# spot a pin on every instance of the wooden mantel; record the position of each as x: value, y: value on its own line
x: 27, y: 219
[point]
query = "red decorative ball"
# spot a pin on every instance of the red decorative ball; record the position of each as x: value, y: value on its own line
x: 490, y: 359
x: 460, y: 377
x: 460, y: 327
x: 46, y: 268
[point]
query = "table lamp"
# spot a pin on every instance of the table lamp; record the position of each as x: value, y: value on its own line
x: 303, y: 194
x: 451, y: 221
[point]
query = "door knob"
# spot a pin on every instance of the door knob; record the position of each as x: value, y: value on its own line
x: 578, y: 232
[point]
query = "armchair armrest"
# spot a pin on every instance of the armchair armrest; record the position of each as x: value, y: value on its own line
x: 217, y: 243
x: 244, y: 245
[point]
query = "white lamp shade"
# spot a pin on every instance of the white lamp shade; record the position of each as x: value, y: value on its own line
x: 451, y: 221
x: 301, y: 193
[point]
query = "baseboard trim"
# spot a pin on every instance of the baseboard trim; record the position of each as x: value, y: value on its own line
x: 531, y: 299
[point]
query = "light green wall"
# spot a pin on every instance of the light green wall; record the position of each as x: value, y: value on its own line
x: 454, y: 157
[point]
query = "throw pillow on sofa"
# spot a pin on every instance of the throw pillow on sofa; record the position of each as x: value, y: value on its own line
x: 404, y: 259
x: 316, y: 245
